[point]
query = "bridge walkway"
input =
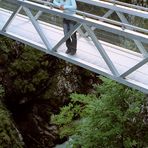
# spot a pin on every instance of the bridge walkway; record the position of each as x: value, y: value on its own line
x: 87, y: 56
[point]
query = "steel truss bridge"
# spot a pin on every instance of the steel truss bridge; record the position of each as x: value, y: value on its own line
x: 100, y: 56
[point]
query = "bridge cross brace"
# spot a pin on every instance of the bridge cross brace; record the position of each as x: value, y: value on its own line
x: 120, y: 77
x: 13, y: 15
x: 138, y: 44
x: 101, y: 50
x: 89, y: 31
x: 37, y: 27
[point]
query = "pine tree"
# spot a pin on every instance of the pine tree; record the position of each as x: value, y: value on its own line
x: 111, y: 117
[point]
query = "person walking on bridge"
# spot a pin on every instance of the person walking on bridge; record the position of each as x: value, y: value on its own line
x: 69, y: 7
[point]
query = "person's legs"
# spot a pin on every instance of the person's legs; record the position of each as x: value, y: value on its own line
x: 73, y: 39
x: 66, y: 28
x: 71, y: 42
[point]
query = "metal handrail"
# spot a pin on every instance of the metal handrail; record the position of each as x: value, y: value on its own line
x: 87, y: 20
x: 88, y: 15
x: 113, y: 22
x: 121, y: 7
x: 122, y: 25
x: 127, y: 5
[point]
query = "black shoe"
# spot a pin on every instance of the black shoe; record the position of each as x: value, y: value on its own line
x: 68, y: 51
x: 73, y: 52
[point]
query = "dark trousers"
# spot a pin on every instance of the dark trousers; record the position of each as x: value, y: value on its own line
x: 71, y: 42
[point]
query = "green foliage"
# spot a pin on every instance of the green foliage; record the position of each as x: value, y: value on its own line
x: 3, y: 48
x: 8, y: 133
x: 111, y: 117
x: 28, y: 71
x: 9, y: 136
x: 27, y: 62
x: 25, y: 75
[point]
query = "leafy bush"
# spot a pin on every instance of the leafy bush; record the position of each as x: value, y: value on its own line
x: 9, y: 136
x: 111, y: 117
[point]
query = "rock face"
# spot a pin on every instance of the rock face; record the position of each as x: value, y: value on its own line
x: 37, y: 85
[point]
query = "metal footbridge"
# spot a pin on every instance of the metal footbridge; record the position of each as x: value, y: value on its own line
x: 115, y: 48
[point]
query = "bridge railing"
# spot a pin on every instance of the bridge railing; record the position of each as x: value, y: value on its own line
x: 123, y: 23
x: 114, y: 7
x: 88, y: 23
x: 121, y: 10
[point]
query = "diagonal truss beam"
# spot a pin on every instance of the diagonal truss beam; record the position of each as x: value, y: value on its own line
x: 124, y: 20
x: 140, y: 64
x: 122, y: 78
x: 39, y: 13
x: 38, y: 28
x: 101, y: 50
x: 74, y: 29
x: 108, y: 25
x: 11, y: 18
x: 138, y: 43
x: 106, y: 15
x: 119, y: 6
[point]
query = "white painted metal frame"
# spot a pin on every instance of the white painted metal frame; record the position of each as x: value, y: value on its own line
x: 38, y: 28
x: 138, y: 44
x: 120, y: 7
x: 124, y: 20
x: 11, y: 18
x: 90, y: 22
x: 101, y: 50
x: 93, y: 21
x: 74, y: 29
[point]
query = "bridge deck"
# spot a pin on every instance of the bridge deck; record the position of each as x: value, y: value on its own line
x: 87, y: 55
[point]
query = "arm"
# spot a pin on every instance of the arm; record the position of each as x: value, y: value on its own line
x: 57, y: 3
x: 72, y: 6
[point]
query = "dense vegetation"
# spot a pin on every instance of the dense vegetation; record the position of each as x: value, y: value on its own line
x: 34, y: 85
x: 113, y: 116
x: 9, y: 135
